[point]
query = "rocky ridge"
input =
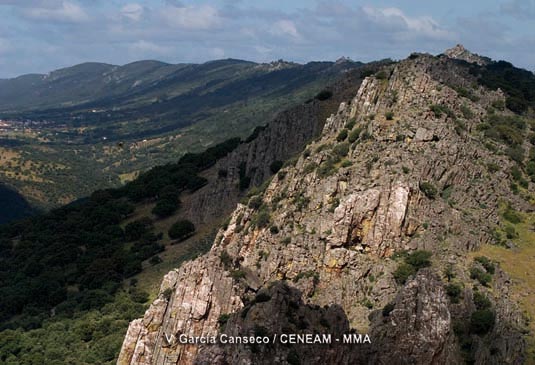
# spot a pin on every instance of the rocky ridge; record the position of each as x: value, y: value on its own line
x: 397, y: 169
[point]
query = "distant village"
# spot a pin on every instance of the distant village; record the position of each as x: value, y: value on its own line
x: 7, y: 125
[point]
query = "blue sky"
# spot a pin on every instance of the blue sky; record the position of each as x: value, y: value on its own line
x: 43, y: 35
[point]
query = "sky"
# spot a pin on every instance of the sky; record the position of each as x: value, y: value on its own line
x: 38, y: 36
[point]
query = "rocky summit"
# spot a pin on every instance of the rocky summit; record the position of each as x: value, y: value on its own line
x: 368, y: 231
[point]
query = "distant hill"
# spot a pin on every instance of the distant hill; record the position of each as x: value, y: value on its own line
x: 12, y: 205
x: 96, y: 125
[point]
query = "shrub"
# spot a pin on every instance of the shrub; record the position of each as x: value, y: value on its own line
x: 381, y: 75
x: 486, y: 263
x: 481, y: 301
x: 327, y: 168
x: 389, y: 115
x: 237, y: 274
x: 223, y: 319
x: 274, y: 229
x: 481, y: 276
x: 412, y: 263
x: 350, y: 124
x: 342, y: 135
x: 155, y: 260
x: 276, y: 166
x: 467, y: 112
x: 387, y: 309
x: 262, y: 297
x: 255, y: 202
x: 510, y: 232
x: 226, y: 259
x: 516, y: 153
x: 262, y: 219
x: 512, y: 216
x: 354, y: 135
x: 428, y: 189
x: 436, y: 109
x: 482, y: 321
x: 165, y: 207
x: 419, y: 259
x: 324, y: 95
x: 454, y: 292
x: 136, y: 229
x: 167, y: 293
x: 403, y: 272
x: 341, y: 149
x: 181, y: 230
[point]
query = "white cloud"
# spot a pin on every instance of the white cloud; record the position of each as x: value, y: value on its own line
x: 203, y: 17
x: 65, y: 12
x: 132, y: 11
x: 285, y: 28
x: 396, y: 20
x: 143, y: 47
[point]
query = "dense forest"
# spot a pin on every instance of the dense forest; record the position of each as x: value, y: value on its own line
x: 14, y: 206
x: 74, y: 258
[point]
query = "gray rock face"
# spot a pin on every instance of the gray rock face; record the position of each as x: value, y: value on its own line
x: 330, y: 226
x: 461, y: 53
x: 419, y: 328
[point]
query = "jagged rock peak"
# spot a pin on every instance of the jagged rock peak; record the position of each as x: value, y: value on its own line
x: 460, y: 53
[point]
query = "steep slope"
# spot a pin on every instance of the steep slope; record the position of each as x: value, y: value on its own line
x: 369, y: 231
x: 72, y: 279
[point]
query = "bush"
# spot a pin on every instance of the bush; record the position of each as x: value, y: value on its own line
x: 482, y: 321
x: 428, y: 189
x: 275, y: 166
x: 342, y: 135
x: 350, y: 124
x: 403, y: 272
x: 328, y: 167
x: 481, y: 301
x: 237, y: 274
x: 412, y: 263
x: 262, y: 219
x: 181, y: 230
x: 486, y: 263
x: 324, y: 95
x: 419, y: 259
x: 273, y: 229
x: 389, y: 115
x: 388, y: 309
x: 155, y: 260
x: 255, y: 202
x: 354, y: 135
x: 136, y: 229
x: 381, y: 75
x: 481, y: 276
x: 454, y: 292
x: 341, y: 149
x: 467, y: 112
x: 223, y: 319
x: 226, y: 259
x: 512, y: 216
x: 165, y: 207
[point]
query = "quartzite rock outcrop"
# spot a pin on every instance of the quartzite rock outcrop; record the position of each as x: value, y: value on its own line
x: 388, y: 175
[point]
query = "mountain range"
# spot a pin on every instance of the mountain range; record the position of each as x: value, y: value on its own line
x: 97, y: 125
x: 396, y: 203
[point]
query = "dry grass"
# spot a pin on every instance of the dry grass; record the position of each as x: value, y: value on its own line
x: 519, y: 263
